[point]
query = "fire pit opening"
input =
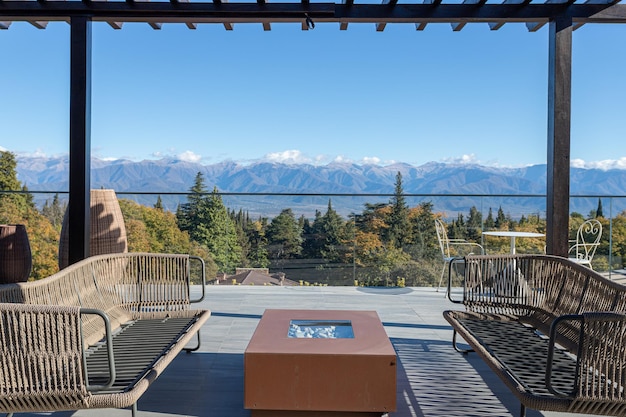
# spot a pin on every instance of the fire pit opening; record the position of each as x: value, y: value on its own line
x: 320, y: 329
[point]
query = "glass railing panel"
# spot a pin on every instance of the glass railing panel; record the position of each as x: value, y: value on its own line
x: 336, y: 239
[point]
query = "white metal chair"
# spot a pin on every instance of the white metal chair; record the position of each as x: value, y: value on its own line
x: 453, y: 248
x: 586, y: 243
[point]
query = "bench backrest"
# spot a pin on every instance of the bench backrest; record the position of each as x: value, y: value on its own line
x: 538, y: 288
x: 125, y: 286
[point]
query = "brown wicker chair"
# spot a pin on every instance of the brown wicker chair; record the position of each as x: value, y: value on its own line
x: 554, y: 331
x: 64, y: 337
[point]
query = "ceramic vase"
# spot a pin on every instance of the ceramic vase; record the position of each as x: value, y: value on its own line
x: 107, y: 232
x: 15, y: 256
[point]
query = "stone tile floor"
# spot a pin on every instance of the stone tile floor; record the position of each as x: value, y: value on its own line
x: 433, y: 379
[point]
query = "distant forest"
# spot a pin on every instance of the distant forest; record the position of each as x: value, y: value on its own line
x: 386, y: 244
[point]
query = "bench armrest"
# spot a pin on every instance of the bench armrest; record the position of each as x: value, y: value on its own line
x: 451, y: 265
x: 599, y: 358
x: 109, y: 349
x: 202, y: 276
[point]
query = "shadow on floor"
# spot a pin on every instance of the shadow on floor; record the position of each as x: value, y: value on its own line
x: 435, y: 380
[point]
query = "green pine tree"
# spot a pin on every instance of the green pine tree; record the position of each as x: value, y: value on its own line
x: 284, y: 235
x: 399, y: 231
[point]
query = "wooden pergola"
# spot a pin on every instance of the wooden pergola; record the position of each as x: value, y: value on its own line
x: 562, y: 16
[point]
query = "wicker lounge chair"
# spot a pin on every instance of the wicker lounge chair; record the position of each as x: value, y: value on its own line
x: 96, y: 334
x: 554, y: 331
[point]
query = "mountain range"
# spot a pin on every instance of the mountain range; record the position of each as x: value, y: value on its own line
x: 160, y: 177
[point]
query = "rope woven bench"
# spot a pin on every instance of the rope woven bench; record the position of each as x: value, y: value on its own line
x: 96, y: 334
x: 553, y: 331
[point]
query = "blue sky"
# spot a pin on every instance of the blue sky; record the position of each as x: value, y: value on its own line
x: 209, y: 95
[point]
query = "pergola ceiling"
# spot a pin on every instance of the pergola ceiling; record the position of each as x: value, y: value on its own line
x: 307, y: 14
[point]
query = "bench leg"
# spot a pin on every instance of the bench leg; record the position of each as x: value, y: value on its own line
x: 197, y: 346
x: 134, y: 410
x: 522, y: 411
x: 456, y: 347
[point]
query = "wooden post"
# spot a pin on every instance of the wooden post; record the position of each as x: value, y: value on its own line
x: 559, y: 125
x: 80, y: 138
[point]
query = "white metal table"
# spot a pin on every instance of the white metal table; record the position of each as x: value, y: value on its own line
x: 513, y: 235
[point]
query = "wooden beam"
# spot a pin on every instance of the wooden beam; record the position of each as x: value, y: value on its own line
x: 457, y: 27
x: 559, y: 127
x: 579, y: 25
x: 344, y: 25
x: 432, y: 3
x: 381, y: 26
x: 154, y: 25
x: 609, y: 2
x: 190, y: 25
x: 267, y: 26
x: 227, y: 25
x: 535, y: 14
x: 80, y: 138
x: 38, y: 24
x: 115, y: 25
x: 534, y: 27
x: 496, y: 26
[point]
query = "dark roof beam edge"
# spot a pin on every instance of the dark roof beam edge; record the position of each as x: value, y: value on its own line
x: 344, y: 25
x: 391, y: 3
x: 322, y: 12
x: 496, y: 26
x: 457, y: 27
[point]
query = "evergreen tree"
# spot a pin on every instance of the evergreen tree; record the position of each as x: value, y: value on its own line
x: 312, y: 239
x: 187, y: 214
x: 456, y: 229
x: 208, y: 222
x: 500, y: 219
x: 423, y: 229
x: 9, y: 182
x: 331, y: 228
x: 54, y: 211
x: 257, y: 254
x: 8, y: 172
x: 489, y: 222
x: 284, y: 235
x: 159, y: 204
x: 474, y: 224
x: 399, y: 231
x: 599, y: 212
x: 217, y: 231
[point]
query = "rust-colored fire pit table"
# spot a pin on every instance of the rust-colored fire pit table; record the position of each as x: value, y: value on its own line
x: 309, y: 363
